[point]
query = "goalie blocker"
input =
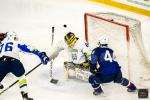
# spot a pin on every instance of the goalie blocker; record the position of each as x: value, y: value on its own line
x: 77, y: 71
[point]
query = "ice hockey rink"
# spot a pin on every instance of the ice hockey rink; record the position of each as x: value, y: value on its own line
x: 33, y: 20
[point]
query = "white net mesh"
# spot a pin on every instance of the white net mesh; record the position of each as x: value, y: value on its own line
x: 124, y: 35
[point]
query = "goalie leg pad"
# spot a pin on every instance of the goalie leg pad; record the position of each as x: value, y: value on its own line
x: 82, y: 74
x: 67, y: 73
x: 68, y: 66
x: 79, y: 72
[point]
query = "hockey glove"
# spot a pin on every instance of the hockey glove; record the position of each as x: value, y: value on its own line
x: 44, y: 58
x: 93, y: 70
x: 87, y: 56
x: 85, y: 65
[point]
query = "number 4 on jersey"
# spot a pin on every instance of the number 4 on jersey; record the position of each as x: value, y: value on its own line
x: 107, y: 56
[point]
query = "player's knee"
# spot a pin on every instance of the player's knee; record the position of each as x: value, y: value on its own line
x: 117, y: 81
x: 118, y: 78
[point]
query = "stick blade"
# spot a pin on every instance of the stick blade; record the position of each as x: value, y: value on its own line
x: 54, y: 81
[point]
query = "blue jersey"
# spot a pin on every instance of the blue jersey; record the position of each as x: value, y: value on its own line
x: 104, y: 57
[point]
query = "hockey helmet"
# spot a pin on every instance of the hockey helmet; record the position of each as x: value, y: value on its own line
x: 11, y: 36
x: 2, y: 36
x: 103, y: 40
x: 70, y: 39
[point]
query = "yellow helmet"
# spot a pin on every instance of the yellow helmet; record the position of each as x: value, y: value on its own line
x: 70, y: 39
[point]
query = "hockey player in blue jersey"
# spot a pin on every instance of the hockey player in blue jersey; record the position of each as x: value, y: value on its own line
x: 109, y: 69
x: 10, y: 62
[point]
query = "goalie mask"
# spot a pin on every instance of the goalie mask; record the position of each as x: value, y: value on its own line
x: 103, y: 40
x: 70, y: 39
x: 11, y: 36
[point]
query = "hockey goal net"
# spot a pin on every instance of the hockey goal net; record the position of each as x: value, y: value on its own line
x: 124, y: 35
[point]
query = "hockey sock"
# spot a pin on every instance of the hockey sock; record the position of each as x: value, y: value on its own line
x: 132, y: 86
x: 23, y: 85
x: 128, y: 84
x: 97, y: 89
x: 95, y: 86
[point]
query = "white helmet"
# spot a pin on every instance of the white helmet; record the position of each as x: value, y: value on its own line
x: 103, y: 40
x: 11, y: 36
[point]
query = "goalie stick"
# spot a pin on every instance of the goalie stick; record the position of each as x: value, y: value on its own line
x: 54, y: 81
x: 18, y: 80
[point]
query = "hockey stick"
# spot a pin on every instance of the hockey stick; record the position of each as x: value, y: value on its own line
x: 18, y: 80
x: 54, y: 81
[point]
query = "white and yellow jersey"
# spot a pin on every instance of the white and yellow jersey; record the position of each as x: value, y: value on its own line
x: 11, y: 48
x: 76, y: 53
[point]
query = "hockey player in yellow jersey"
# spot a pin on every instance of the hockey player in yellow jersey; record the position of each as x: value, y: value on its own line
x: 78, y: 54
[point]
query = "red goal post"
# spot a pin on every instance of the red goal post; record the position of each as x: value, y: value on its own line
x: 124, y: 34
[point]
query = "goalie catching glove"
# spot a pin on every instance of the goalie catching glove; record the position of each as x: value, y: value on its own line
x: 85, y: 65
